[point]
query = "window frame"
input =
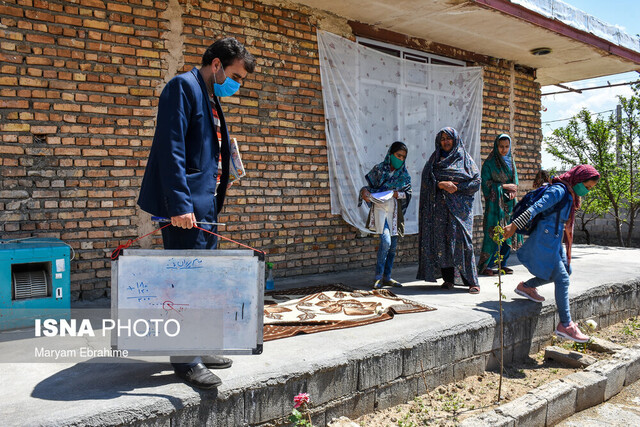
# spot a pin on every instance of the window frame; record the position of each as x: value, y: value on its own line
x: 410, y: 54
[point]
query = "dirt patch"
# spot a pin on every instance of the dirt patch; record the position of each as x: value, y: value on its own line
x: 449, y: 404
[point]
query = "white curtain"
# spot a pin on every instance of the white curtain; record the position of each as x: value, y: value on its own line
x: 372, y: 99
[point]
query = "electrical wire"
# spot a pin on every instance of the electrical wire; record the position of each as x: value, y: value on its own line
x: 581, y: 89
x: 562, y: 120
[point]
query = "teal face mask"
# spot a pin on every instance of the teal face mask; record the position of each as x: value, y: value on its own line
x: 396, y: 162
x: 580, y: 190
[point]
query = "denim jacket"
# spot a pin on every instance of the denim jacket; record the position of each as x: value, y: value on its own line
x: 543, y: 249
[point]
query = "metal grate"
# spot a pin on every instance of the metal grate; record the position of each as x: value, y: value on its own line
x: 30, y: 284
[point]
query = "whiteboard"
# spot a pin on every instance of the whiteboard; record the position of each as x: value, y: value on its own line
x: 187, y: 302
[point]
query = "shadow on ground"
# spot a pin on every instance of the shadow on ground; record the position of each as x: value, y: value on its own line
x: 95, y: 380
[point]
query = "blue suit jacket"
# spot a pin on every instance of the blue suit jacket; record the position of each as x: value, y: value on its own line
x: 543, y: 249
x: 181, y: 172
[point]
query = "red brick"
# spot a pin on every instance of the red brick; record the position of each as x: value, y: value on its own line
x: 14, y: 103
x: 118, y: 7
x: 93, y: 3
x: 103, y: 139
x: 38, y: 15
x: 11, y: 11
x: 43, y: 130
x: 68, y: 20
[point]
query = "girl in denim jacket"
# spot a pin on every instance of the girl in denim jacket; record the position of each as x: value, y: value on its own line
x: 543, y: 253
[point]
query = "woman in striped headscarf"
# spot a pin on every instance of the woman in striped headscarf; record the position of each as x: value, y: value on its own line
x: 543, y: 254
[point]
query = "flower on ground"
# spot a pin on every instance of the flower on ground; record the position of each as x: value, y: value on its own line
x: 302, y: 417
x: 300, y: 399
x: 591, y: 324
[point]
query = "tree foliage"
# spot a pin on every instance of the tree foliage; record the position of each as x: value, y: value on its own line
x: 612, y: 146
x: 629, y: 131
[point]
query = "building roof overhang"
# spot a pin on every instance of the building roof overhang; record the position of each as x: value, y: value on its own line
x: 581, y: 46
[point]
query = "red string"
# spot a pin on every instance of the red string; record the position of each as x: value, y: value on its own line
x: 117, y: 252
x: 231, y: 240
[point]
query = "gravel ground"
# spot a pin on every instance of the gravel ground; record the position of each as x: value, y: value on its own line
x: 448, y: 404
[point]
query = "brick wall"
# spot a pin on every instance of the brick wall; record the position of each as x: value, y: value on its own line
x: 511, y: 105
x: 78, y: 93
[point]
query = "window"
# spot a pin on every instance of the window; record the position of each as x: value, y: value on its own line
x: 410, y: 54
x: 378, y: 93
x: 402, y: 95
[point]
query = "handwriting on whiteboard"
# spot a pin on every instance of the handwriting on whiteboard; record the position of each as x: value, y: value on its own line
x: 183, y: 264
x: 168, y: 306
x: 140, y: 292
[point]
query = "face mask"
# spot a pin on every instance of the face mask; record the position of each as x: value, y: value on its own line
x: 580, y: 190
x: 396, y: 162
x: 227, y: 88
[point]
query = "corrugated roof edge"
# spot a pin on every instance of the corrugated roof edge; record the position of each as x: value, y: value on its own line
x: 580, y: 20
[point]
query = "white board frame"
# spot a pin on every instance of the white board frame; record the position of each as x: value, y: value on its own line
x: 235, y: 337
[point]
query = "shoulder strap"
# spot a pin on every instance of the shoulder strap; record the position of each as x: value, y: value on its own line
x: 560, y: 205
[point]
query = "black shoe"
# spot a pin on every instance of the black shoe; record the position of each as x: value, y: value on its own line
x: 216, y: 362
x: 199, y: 376
x: 392, y: 283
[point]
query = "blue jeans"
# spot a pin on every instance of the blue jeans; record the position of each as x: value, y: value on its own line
x: 386, y: 253
x: 505, y: 251
x: 559, y: 276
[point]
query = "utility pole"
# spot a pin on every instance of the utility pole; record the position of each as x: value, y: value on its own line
x: 619, y: 134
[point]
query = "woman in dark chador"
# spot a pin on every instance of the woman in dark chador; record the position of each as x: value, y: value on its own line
x: 450, y: 180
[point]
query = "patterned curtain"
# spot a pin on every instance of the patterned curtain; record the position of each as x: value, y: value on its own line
x: 372, y: 99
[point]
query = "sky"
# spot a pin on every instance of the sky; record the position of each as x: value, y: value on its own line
x: 622, y: 13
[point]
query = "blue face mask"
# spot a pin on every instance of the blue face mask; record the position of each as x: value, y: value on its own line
x: 227, y: 88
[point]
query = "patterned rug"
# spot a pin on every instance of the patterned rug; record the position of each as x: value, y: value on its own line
x: 321, y: 308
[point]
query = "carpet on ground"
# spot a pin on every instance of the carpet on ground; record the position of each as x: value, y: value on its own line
x: 321, y: 308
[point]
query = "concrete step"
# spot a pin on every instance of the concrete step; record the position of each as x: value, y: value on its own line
x: 347, y: 372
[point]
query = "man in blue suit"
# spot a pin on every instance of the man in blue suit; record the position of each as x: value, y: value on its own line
x: 182, y: 180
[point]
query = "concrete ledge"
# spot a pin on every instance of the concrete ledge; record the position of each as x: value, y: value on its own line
x: 378, y: 370
x: 528, y: 410
x: 589, y: 389
x: 614, y: 371
x: 354, y: 406
x: 489, y: 419
x: 631, y: 357
x: 348, y: 372
x: 396, y: 393
x: 561, y: 400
